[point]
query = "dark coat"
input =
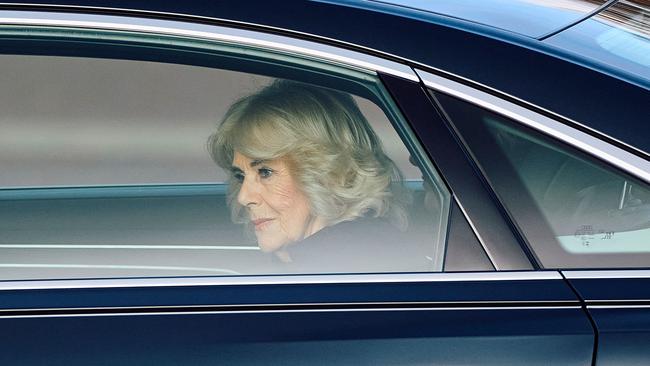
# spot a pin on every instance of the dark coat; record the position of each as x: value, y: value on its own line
x: 364, y: 245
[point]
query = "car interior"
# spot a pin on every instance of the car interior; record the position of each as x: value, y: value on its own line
x: 143, y: 207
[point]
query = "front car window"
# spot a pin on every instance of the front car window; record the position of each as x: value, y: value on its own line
x: 205, y: 159
x: 575, y: 211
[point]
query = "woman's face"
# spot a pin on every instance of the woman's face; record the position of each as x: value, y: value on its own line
x: 279, y: 211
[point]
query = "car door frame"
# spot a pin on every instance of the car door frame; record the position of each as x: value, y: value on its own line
x: 373, y: 318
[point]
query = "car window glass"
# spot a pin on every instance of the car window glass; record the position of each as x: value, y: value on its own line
x: 575, y: 211
x: 111, y: 168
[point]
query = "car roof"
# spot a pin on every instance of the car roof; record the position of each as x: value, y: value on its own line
x: 552, y: 78
x: 533, y: 18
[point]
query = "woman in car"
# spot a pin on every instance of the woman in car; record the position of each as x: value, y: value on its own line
x: 310, y: 178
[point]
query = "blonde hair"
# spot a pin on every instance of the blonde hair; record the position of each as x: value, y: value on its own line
x: 332, y: 151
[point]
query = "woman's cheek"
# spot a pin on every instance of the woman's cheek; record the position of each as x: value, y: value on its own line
x: 283, y: 196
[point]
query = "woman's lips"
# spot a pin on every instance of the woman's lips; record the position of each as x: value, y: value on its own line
x: 261, y: 223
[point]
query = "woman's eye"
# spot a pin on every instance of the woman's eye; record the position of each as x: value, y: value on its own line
x: 239, y: 177
x: 265, y: 172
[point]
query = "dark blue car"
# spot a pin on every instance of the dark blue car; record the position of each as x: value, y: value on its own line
x: 512, y: 226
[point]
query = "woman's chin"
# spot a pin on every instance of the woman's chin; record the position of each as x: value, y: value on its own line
x: 268, y: 245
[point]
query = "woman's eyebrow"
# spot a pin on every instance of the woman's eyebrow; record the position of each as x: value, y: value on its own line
x: 257, y: 162
x: 235, y: 169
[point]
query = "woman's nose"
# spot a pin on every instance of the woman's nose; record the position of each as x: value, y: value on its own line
x: 248, y: 194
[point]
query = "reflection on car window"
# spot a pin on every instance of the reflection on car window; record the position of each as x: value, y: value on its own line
x: 575, y: 211
x: 109, y: 176
x: 589, y: 208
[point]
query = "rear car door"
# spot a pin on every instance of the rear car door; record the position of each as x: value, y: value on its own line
x: 134, y: 260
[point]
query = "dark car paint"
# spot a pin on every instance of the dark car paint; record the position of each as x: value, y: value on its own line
x: 494, y: 322
x: 602, y: 99
x: 620, y: 308
x: 390, y: 337
x: 528, y: 18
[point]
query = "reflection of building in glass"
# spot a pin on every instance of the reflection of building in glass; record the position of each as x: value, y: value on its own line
x: 630, y: 15
x: 583, y: 6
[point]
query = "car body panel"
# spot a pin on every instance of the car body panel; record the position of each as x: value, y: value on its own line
x: 332, y: 338
x: 529, y: 18
x: 619, y: 303
x: 504, y: 318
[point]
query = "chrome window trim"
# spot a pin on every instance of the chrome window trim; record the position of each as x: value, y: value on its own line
x: 210, y: 32
x: 278, y: 280
x: 129, y: 246
x: 466, y: 81
x: 595, y: 307
x: 301, y: 306
x: 591, y: 145
x: 621, y: 302
x: 478, y: 308
x: 584, y: 275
